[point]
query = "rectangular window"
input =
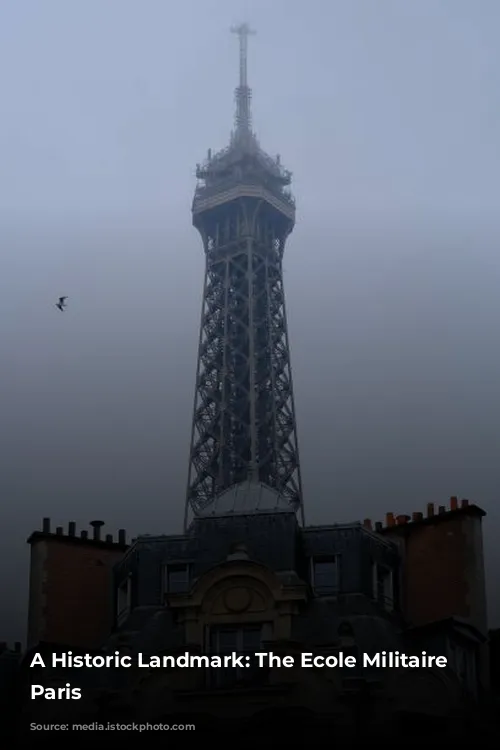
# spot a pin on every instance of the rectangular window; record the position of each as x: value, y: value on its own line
x: 325, y: 574
x: 245, y: 640
x: 124, y: 600
x: 176, y: 579
x: 383, y: 588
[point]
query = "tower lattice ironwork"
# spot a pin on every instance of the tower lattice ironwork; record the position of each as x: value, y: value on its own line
x: 244, y: 427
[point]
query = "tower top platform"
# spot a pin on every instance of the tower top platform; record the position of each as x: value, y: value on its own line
x: 243, y: 168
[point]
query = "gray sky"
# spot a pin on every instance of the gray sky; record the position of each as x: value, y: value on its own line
x: 388, y: 114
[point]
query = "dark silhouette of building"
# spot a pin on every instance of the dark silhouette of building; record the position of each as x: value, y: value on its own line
x: 247, y: 575
x: 256, y: 582
x: 495, y: 661
x: 10, y: 660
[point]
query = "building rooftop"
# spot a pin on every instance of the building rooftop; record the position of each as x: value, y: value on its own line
x: 247, y: 497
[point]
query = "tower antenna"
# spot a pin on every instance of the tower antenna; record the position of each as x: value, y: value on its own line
x: 243, y: 94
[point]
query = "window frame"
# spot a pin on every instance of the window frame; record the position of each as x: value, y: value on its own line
x: 227, y: 677
x: 167, y: 569
x: 322, y: 589
x: 386, y: 600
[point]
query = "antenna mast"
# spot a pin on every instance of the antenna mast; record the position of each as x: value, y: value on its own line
x: 243, y: 94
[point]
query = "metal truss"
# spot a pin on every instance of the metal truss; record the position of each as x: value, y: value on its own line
x: 244, y: 417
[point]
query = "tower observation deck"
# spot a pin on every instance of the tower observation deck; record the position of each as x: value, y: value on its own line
x: 244, y: 453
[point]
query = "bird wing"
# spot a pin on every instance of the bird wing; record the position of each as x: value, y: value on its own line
x: 62, y: 300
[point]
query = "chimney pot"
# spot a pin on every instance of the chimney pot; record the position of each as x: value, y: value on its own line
x: 453, y: 503
x: 465, y: 503
x: 97, y: 529
x: 84, y: 534
x: 122, y: 536
x: 109, y: 538
x: 46, y: 525
x: 59, y: 531
x: 417, y: 516
x: 379, y: 526
x: 71, y: 528
x: 389, y: 519
x: 441, y: 509
x: 401, y: 520
x: 367, y: 523
x: 430, y: 510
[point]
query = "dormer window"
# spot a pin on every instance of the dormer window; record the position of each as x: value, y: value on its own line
x: 325, y: 574
x: 176, y: 578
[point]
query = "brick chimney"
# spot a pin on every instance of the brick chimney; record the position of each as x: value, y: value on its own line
x: 443, y: 573
x: 70, y: 600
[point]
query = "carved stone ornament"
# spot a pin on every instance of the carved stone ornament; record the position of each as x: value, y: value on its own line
x: 238, y: 599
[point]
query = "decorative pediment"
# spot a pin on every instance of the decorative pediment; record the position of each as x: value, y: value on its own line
x: 238, y: 585
x: 237, y: 596
x: 238, y: 590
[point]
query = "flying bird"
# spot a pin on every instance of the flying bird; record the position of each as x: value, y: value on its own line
x: 62, y: 303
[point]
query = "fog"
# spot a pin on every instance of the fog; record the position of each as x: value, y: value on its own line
x: 388, y: 115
